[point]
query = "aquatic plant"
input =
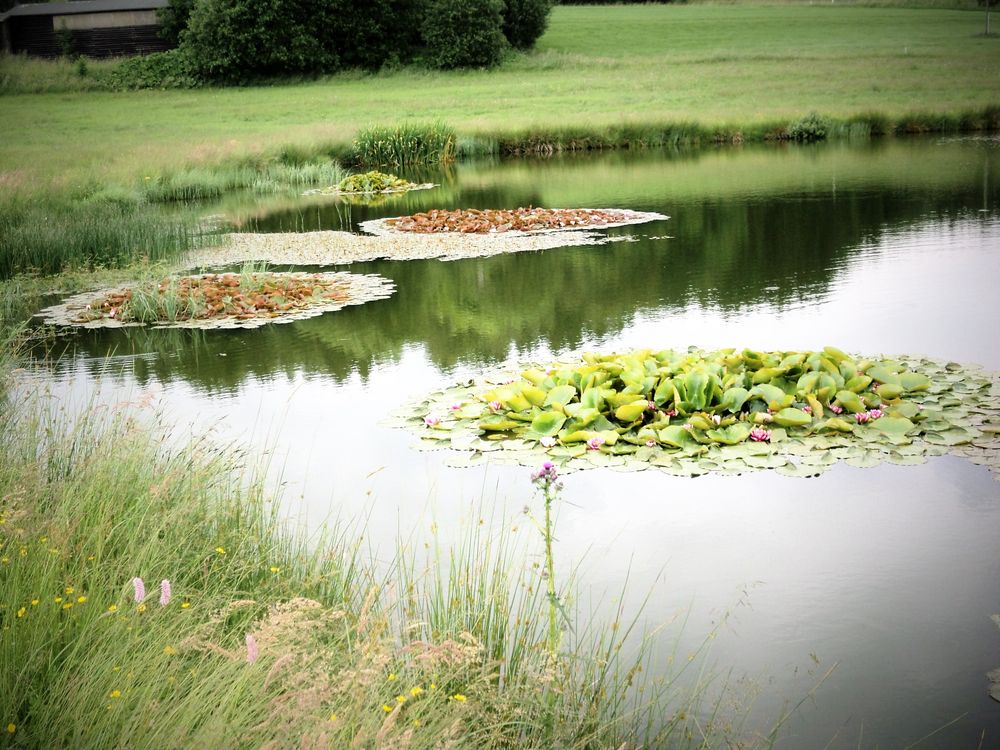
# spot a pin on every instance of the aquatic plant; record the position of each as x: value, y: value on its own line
x: 372, y: 182
x: 691, y: 412
x: 406, y: 144
x: 475, y: 221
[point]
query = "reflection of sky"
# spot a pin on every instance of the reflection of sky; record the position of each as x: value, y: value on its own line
x: 891, y: 573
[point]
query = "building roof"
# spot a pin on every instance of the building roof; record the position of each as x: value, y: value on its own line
x: 81, y: 6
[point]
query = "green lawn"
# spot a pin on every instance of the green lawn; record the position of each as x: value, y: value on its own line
x: 596, y: 66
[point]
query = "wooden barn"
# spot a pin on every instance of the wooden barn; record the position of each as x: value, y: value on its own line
x: 95, y: 28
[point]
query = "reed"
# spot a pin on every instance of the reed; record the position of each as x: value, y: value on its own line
x: 406, y: 144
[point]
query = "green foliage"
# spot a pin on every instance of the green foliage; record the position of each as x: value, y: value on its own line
x: 812, y: 127
x: 159, y: 70
x: 404, y: 145
x: 174, y: 19
x: 524, y: 21
x: 238, y: 40
x: 372, y: 182
x: 372, y: 34
x: 463, y: 33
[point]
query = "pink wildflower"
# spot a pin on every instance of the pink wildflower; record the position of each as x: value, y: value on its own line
x: 760, y: 435
x: 546, y: 477
x: 140, y: 589
x: 164, y: 592
x: 252, y: 651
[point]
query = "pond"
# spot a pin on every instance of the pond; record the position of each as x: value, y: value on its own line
x: 889, y: 573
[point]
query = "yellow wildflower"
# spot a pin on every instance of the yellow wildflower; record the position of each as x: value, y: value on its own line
x: 400, y: 699
x: 68, y: 590
x: 169, y: 650
x: 34, y: 602
x: 81, y: 599
x: 5, y: 559
x: 221, y: 550
x: 415, y: 691
x: 458, y: 697
x: 68, y: 605
x: 387, y: 708
x: 416, y: 722
x: 333, y: 717
x: 391, y: 677
x: 113, y: 608
x: 115, y: 694
x: 21, y: 611
x: 58, y: 600
x: 434, y: 686
x: 91, y: 558
x: 23, y: 551
x: 11, y: 728
x: 275, y: 569
x: 185, y: 605
x: 142, y: 608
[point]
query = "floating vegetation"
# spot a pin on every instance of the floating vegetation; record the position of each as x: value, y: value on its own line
x: 494, y: 221
x: 230, y: 300
x: 694, y: 412
x: 371, y: 184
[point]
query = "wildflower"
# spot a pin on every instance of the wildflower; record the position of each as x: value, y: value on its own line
x: 415, y: 691
x: 275, y: 569
x: 91, y: 558
x: 140, y: 589
x: 169, y: 650
x: 391, y: 677
x: 595, y: 443
x: 113, y: 608
x: 400, y: 699
x: 68, y: 590
x: 11, y: 728
x: 68, y: 605
x: 185, y: 605
x: 252, y: 651
x: 495, y: 406
x: 220, y: 550
x: 459, y: 698
x: 333, y: 717
x: 4, y: 559
x: 21, y: 611
x: 434, y: 686
x: 23, y: 551
x: 417, y: 722
x: 430, y: 420
x: 58, y: 600
x: 164, y: 592
x: 387, y: 708
x: 34, y: 602
x: 81, y: 599
x: 671, y: 413
x: 760, y: 435
x: 115, y: 694
x: 546, y: 477
x: 141, y: 608
x: 548, y: 441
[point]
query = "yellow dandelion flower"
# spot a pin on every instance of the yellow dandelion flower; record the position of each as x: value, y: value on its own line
x: 21, y: 611
x: 459, y: 698
x: 113, y: 608
x: 415, y: 691
x: 115, y: 694
x: 221, y: 550
x: 91, y: 558
x: 11, y: 728
x: 333, y: 717
x: 169, y: 650
x: 68, y: 590
x: 142, y: 608
x: 391, y: 677
x: 185, y: 605
x: 4, y: 559
x: 417, y: 722
x: 387, y: 708
x: 68, y: 605
x: 434, y: 686
x: 58, y: 600
x: 400, y: 699
x: 23, y: 552
x: 81, y: 599
x: 34, y: 602
x: 275, y: 569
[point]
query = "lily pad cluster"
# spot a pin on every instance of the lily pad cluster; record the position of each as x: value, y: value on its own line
x: 692, y: 412
x: 475, y: 221
x: 230, y: 300
x: 370, y: 184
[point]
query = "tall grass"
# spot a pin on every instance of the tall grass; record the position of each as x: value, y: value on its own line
x: 209, y: 182
x: 249, y: 635
x: 404, y: 145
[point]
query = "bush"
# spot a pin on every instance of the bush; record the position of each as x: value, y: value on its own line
x: 174, y: 19
x: 812, y: 127
x: 463, y: 33
x: 371, y: 34
x: 524, y: 21
x: 238, y: 40
x: 159, y: 70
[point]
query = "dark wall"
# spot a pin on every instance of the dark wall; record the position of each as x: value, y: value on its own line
x: 35, y: 36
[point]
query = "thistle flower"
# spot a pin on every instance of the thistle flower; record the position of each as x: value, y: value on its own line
x: 252, y: 651
x: 546, y: 476
x: 140, y: 589
x: 164, y: 592
x: 760, y: 435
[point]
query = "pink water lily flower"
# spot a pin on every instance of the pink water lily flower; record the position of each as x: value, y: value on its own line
x: 688, y: 426
x: 861, y: 417
x: 650, y: 443
x: 455, y: 407
x: 495, y: 406
x: 807, y: 409
x: 760, y: 435
x: 595, y: 443
x: 836, y: 409
x: 548, y: 441
x: 671, y: 413
x: 875, y: 413
x: 430, y: 420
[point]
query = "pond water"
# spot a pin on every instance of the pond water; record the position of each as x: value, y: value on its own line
x: 891, y: 573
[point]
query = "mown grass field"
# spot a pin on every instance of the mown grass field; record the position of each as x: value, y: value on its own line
x: 595, y: 67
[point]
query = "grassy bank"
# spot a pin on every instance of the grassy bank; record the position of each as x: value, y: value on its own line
x: 243, y: 634
x: 687, y: 73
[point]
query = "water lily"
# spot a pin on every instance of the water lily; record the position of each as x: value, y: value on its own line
x: 455, y: 407
x: 650, y: 443
x: 861, y: 417
x: 671, y: 413
x: 760, y: 435
x: 836, y: 409
x: 651, y: 405
x: 717, y: 419
x: 807, y: 409
x: 688, y: 426
x: 430, y: 420
x: 595, y: 443
x: 495, y: 406
x: 875, y: 413
x: 548, y: 441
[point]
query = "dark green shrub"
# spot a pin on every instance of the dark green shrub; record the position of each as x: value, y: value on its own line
x: 812, y: 127
x: 174, y: 19
x: 372, y: 34
x: 238, y: 40
x: 524, y: 21
x: 159, y: 70
x: 463, y: 33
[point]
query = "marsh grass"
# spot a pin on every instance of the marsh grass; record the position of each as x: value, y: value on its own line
x: 269, y: 638
x: 405, y: 144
